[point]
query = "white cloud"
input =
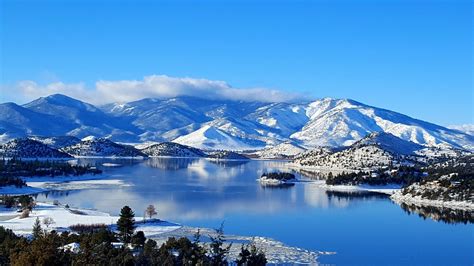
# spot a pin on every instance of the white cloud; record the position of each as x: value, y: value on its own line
x: 154, y: 86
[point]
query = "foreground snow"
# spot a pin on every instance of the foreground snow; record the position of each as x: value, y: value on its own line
x: 276, y: 251
x: 65, y: 217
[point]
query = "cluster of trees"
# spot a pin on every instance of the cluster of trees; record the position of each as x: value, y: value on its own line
x: 450, y: 180
x: 402, y: 176
x: 16, y: 167
x: 279, y: 176
x: 99, y: 247
x: 11, y: 181
x: 23, y: 201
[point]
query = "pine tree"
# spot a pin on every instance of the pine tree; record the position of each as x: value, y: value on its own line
x: 37, y: 230
x: 126, y: 224
x: 218, y: 253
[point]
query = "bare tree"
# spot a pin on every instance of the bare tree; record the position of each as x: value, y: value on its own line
x: 150, y: 211
x: 48, y: 221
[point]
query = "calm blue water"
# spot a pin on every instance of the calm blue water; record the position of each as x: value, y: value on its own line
x: 363, y: 229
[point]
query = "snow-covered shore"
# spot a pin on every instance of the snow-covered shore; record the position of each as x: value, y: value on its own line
x: 46, y: 183
x: 387, y: 189
x: 276, y: 252
x: 65, y: 217
x: 399, y: 198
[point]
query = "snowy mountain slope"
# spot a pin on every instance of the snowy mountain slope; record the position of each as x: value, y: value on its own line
x: 466, y: 128
x: 211, y: 138
x: 81, y: 119
x: 57, y: 142
x: 172, y: 149
x: 353, y: 158
x: 390, y: 143
x: 283, y: 118
x: 28, y: 148
x: 101, y: 147
x: 280, y: 151
x: 235, y: 124
x: 341, y: 122
x: 17, y: 121
x: 166, y: 119
x: 373, y: 151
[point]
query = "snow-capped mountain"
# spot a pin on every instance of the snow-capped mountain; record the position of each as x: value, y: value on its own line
x: 28, y: 148
x: 172, y: 149
x: 342, y: 122
x: 215, y: 124
x: 101, y: 147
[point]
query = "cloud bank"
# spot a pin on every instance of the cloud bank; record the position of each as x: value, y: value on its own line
x: 154, y: 86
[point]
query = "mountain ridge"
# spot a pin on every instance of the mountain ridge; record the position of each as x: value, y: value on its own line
x: 246, y: 125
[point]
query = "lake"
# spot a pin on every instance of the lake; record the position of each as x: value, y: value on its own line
x: 363, y: 228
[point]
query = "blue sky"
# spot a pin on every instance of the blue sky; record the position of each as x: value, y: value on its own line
x: 414, y: 57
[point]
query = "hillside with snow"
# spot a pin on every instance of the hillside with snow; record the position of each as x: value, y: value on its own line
x: 101, y: 147
x: 28, y: 148
x: 222, y: 124
x: 374, y: 151
x: 284, y: 150
x: 172, y: 150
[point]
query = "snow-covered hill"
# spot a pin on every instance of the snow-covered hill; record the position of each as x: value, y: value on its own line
x: 28, y: 148
x: 226, y: 155
x: 57, y: 142
x: 281, y: 151
x: 101, y: 147
x: 374, y: 151
x: 172, y: 149
x: 215, y: 124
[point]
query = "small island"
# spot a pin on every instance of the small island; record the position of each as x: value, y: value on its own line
x: 277, y: 178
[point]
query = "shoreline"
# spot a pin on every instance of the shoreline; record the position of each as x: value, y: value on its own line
x: 158, y: 230
x: 399, y: 198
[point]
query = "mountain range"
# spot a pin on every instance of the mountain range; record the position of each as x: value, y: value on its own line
x: 222, y: 124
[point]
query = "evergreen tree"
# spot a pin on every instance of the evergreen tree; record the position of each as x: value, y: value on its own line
x: 126, y: 224
x: 218, y: 253
x: 252, y: 257
x: 138, y: 239
x: 37, y: 230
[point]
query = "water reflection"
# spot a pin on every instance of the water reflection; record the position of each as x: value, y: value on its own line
x: 447, y: 215
x: 170, y: 164
x: 229, y: 163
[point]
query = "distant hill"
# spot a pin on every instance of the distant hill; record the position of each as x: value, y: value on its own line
x: 28, y: 148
